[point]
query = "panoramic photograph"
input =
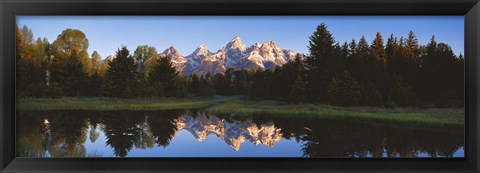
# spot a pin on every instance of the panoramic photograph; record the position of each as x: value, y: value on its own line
x: 240, y: 86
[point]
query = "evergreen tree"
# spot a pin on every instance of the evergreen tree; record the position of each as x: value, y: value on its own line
x: 120, y: 77
x: 390, y: 50
x: 96, y: 63
x: 352, y: 47
x: 359, y: 67
x: 69, y: 74
x: 377, y: 50
x: 412, y: 46
x: 322, y: 64
x: 163, y: 72
x: 377, y: 66
x: 345, y: 51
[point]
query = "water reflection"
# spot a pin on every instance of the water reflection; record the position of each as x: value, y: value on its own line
x: 195, y: 133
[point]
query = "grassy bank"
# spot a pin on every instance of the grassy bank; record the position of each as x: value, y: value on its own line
x: 437, y: 116
x: 111, y: 104
x: 239, y: 106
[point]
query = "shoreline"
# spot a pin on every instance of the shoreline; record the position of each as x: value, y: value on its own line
x: 241, y: 107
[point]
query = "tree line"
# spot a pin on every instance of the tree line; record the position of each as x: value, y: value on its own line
x: 399, y: 73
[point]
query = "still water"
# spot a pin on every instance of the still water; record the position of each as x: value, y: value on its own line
x: 196, y: 133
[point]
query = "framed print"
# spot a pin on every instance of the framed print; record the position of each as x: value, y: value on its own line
x: 320, y: 86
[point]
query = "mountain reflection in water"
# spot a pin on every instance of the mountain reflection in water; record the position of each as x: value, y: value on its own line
x: 75, y: 133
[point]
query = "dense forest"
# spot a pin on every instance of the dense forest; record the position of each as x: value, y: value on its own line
x: 399, y: 73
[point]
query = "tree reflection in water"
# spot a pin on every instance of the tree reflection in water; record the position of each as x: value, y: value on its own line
x: 64, y: 133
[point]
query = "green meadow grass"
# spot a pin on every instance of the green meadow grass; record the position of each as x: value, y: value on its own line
x: 110, y: 104
x: 242, y: 107
x: 437, y: 116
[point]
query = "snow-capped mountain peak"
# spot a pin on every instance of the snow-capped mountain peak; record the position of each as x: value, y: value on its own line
x: 269, y: 43
x: 201, y: 50
x: 235, y: 43
x: 195, y: 58
x: 178, y: 61
x: 202, y: 47
x: 234, y: 54
x: 171, y: 51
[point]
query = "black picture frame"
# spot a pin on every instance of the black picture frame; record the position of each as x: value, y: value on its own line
x: 10, y: 8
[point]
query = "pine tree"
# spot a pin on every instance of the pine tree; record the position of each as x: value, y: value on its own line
x: 377, y: 50
x: 322, y: 64
x: 163, y: 72
x: 359, y: 62
x: 120, y: 77
x: 412, y: 45
x: 390, y: 50
x: 96, y: 63
x: 378, y: 66
x: 69, y: 74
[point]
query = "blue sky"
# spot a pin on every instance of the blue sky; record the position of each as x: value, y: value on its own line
x: 107, y: 33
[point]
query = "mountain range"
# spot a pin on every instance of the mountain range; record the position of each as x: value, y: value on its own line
x: 232, y: 133
x: 234, y: 54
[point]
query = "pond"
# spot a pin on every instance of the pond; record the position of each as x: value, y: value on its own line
x: 196, y: 133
